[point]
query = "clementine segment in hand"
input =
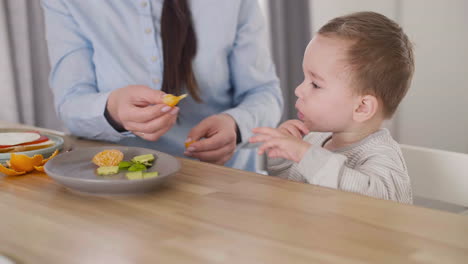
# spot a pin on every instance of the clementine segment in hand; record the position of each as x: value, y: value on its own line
x: 187, y: 144
x: 111, y: 157
x: 172, y: 100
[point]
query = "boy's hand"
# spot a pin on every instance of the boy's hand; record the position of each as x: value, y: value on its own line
x: 294, y: 128
x: 279, y: 144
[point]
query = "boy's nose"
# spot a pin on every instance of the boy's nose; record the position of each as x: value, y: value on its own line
x: 297, y: 91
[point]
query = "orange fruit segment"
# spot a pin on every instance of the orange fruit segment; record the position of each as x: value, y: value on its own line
x: 49, y: 158
x: 10, y: 172
x: 172, y: 100
x: 111, y: 157
x: 187, y: 144
x: 21, y: 162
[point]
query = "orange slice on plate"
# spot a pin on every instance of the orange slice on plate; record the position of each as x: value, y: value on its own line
x: 172, y: 100
x: 111, y: 157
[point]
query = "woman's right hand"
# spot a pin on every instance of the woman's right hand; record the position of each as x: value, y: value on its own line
x: 141, y: 110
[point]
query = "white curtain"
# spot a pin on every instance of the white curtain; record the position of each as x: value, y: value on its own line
x: 25, y: 96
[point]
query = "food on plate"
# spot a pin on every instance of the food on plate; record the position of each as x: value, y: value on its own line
x: 152, y: 174
x: 108, y: 170
x: 110, y: 157
x: 15, y: 138
x: 135, y: 167
x: 134, y: 175
x: 20, y: 164
x: 172, y: 100
x: 146, y: 159
x: 123, y: 165
x: 138, y: 175
x: 23, y: 141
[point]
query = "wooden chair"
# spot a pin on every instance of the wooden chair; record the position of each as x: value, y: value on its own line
x: 439, y: 178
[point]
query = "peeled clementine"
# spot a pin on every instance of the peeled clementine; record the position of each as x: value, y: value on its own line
x: 172, y: 100
x: 111, y: 157
x: 21, y: 162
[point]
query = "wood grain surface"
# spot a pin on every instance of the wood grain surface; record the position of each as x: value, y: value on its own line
x: 214, y: 214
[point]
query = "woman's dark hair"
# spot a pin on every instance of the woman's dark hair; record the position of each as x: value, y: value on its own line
x: 179, y: 48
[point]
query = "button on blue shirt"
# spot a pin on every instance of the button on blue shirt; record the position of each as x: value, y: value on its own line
x: 96, y: 47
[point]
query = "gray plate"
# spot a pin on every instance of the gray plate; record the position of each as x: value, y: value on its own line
x: 76, y: 171
x: 46, y: 152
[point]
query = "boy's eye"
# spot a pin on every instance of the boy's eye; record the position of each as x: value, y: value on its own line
x: 315, y: 85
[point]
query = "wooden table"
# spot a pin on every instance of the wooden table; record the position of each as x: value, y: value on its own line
x: 213, y: 214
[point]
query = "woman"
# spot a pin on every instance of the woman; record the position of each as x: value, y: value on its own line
x: 113, y: 60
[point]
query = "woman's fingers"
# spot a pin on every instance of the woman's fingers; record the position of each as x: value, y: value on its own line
x: 144, y: 114
x: 218, y: 156
x: 154, y: 129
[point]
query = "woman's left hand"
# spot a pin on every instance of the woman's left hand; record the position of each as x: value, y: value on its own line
x: 279, y: 144
x: 218, y: 144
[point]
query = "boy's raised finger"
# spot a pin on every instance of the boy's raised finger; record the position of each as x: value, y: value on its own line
x: 259, y: 138
x: 266, y: 131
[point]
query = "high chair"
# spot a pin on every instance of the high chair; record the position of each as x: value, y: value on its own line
x: 439, y: 178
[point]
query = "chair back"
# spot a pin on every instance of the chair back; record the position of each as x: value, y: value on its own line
x: 438, y: 174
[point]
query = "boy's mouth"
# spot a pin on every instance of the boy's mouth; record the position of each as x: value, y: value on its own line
x: 300, y: 115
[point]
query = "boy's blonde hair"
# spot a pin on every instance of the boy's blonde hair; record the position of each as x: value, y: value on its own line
x: 381, y: 56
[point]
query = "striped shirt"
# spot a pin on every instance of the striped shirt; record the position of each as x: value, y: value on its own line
x: 373, y: 166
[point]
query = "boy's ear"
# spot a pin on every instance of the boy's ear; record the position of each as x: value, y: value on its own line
x: 366, y: 107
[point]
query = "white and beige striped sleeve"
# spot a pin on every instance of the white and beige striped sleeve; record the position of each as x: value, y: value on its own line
x: 377, y: 176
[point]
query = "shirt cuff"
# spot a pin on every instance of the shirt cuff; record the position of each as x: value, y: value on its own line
x: 91, y: 122
x: 321, y: 167
x: 244, y: 129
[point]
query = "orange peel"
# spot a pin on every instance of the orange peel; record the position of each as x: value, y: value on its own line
x: 172, y: 100
x: 39, y: 168
x: 21, y: 162
x: 10, y: 172
x: 49, y: 158
x: 109, y: 157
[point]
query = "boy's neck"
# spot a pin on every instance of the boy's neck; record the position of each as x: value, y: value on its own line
x: 353, y: 135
